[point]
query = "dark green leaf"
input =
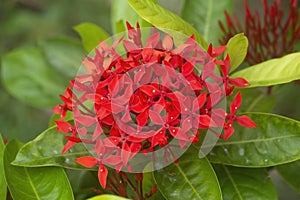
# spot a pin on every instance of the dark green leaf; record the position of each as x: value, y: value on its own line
x: 275, y: 141
x: 237, y: 48
x: 90, y: 35
x: 164, y: 19
x: 45, y: 150
x: 82, y: 181
x: 107, y: 197
x: 148, y: 183
x: 284, y: 191
x: 284, y: 93
x: 190, y: 178
x: 27, y: 76
x: 290, y: 173
x: 3, y: 185
x: 34, y: 183
x: 204, y: 16
x: 244, y: 183
x: 64, y: 54
x: 272, y: 72
x: 256, y: 100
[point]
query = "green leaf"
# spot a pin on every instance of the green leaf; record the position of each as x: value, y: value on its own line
x: 190, y: 178
x: 148, y: 183
x: 122, y: 12
x: 237, y: 48
x: 34, y: 183
x: 272, y: 72
x: 27, y: 76
x: 244, y: 183
x: 82, y: 181
x: 69, y: 117
x: 45, y: 150
x: 290, y: 173
x: 255, y: 100
x: 120, y: 26
x: 275, y: 141
x: 3, y: 185
x: 204, y: 16
x: 107, y: 197
x: 64, y: 54
x: 90, y: 35
x: 164, y: 19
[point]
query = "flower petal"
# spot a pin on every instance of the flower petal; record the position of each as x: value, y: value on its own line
x: 228, y: 132
x: 245, y: 121
x: 239, y: 82
x: 63, y: 126
x: 236, y: 103
x: 87, y: 161
x: 102, y: 175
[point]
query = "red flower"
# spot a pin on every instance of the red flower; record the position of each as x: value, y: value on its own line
x: 231, y: 117
x: 152, y: 98
x: 270, y: 35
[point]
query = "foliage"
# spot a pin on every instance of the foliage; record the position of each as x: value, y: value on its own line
x: 43, y: 46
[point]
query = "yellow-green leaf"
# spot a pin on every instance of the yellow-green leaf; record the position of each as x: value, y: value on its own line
x: 237, y: 47
x: 107, y: 197
x: 90, y: 35
x: 272, y: 72
x: 164, y: 19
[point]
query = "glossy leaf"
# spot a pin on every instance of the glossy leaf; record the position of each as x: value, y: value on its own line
x: 27, y: 76
x: 46, y: 150
x: 290, y: 173
x: 237, y: 48
x: 34, y: 183
x: 90, y: 35
x: 164, y: 19
x: 107, y: 197
x: 64, y: 54
x: 204, y: 16
x: 3, y: 185
x: 272, y: 72
x: 275, y: 141
x: 190, y: 178
x: 244, y: 183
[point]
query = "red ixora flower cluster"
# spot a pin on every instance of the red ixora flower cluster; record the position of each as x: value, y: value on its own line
x: 271, y: 35
x: 147, y: 99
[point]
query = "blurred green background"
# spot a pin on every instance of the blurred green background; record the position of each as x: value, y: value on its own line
x: 26, y: 22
